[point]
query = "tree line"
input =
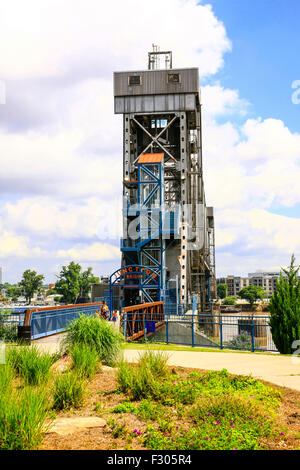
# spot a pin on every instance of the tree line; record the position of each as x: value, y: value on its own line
x: 72, y: 283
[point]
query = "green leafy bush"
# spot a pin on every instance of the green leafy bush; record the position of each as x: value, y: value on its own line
x: 231, y: 300
x: 148, y: 409
x: 126, y: 407
x: 85, y: 360
x: 30, y: 363
x: 96, y: 333
x: 68, y: 391
x: 242, y: 341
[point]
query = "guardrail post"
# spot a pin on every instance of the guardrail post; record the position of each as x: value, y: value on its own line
x: 193, y: 333
x: 252, y: 334
x: 221, y: 331
x: 144, y: 327
x: 24, y: 333
x: 167, y: 330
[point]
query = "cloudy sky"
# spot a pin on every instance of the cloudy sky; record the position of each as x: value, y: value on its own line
x: 60, y: 143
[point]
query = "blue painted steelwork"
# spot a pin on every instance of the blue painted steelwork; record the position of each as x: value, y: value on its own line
x: 148, y: 208
x: 150, y: 201
x: 191, y: 330
x: 49, y: 322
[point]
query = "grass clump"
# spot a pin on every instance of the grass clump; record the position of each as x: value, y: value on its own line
x: 96, y: 333
x: 140, y: 381
x: 30, y: 363
x: 156, y: 362
x: 23, y: 414
x: 85, y: 360
x: 150, y: 379
x: 68, y: 391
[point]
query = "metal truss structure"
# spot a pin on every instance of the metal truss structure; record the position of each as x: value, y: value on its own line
x: 166, y: 224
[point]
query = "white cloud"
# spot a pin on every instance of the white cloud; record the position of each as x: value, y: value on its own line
x: 94, y: 252
x: 45, y: 216
x: 42, y: 39
x: 61, y: 144
x: 12, y: 245
x: 219, y: 101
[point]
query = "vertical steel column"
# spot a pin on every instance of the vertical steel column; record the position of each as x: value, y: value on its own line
x: 184, y: 201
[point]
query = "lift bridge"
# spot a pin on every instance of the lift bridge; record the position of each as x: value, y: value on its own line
x: 168, y: 248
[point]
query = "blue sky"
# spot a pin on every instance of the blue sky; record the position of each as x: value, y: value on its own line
x: 264, y: 60
x: 61, y: 144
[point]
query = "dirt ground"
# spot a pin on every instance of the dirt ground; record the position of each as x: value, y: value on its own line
x: 102, y: 397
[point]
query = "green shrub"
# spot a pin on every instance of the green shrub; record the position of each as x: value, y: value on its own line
x: 231, y: 300
x: 8, y: 332
x: 30, y: 363
x: 117, y: 429
x: 23, y: 414
x: 220, y: 423
x: 242, y: 341
x: 96, y: 333
x: 228, y: 407
x: 126, y: 407
x: 218, y: 383
x: 68, y: 391
x: 150, y: 410
x: 85, y: 360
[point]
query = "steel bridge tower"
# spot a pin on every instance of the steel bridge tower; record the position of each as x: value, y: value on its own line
x: 166, y: 223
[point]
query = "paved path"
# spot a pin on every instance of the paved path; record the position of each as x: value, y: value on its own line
x: 280, y: 370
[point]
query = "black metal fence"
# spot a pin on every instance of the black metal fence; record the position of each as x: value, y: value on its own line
x: 241, y: 332
x: 9, y: 323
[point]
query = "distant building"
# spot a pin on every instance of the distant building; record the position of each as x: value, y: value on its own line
x: 266, y: 280
x: 0, y: 275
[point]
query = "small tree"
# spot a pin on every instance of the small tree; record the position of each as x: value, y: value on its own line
x: 252, y: 294
x: 285, y: 309
x: 72, y: 283
x: 31, y: 283
x: 86, y: 279
x: 222, y: 290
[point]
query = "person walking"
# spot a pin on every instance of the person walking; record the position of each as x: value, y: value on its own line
x: 105, y: 311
